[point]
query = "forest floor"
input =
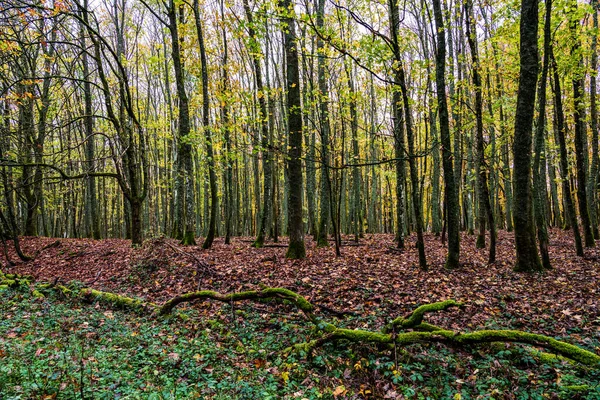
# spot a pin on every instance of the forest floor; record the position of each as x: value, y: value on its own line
x: 373, y: 280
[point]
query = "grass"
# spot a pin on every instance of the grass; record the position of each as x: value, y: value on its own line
x: 53, y: 348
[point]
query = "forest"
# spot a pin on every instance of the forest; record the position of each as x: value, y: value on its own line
x: 303, y: 199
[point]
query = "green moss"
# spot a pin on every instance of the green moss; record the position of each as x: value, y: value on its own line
x: 548, y: 358
x: 64, y: 290
x: 37, y: 294
x: 300, y: 301
x: 296, y: 250
x: 259, y: 242
x: 416, y: 317
x: 359, y: 335
x: 577, y: 388
x: 565, y: 349
x: 189, y: 239
x: 452, y: 260
x: 43, y: 286
x: 3, y: 288
x: 480, y: 244
x: 113, y: 299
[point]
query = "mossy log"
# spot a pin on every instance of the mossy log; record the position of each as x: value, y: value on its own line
x: 300, y: 302
x: 415, y: 318
x: 116, y: 300
x: 421, y: 332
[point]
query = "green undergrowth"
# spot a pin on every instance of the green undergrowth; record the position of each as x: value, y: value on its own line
x: 57, y: 348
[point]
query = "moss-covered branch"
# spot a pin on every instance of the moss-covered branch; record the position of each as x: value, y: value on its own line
x: 415, y: 318
x: 421, y: 331
x: 265, y: 293
x: 116, y: 300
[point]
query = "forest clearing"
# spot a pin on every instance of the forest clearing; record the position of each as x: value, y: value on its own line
x: 254, y: 199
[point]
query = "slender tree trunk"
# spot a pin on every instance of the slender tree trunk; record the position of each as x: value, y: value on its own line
x: 451, y: 192
x: 527, y: 256
x: 212, y: 176
x: 356, y: 181
x: 93, y: 220
x: 564, y: 163
x: 580, y: 134
x: 185, y: 173
x: 227, y: 136
x: 539, y: 181
x: 296, y: 249
x: 323, y: 100
x: 485, y: 206
x: 595, y: 162
x: 398, y: 121
x: 264, y: 129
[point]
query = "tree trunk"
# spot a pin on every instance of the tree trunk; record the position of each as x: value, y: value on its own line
x: 323, y: 100
x: 539, y: 181
x: 185, y: 174
x: 578, y: 74
x: 485, y: 206
x: 527, y: 256
x: 264, y: 129
x: 595, y: 162
x: 92, y: 217
x: 564, y: 161
x: 212, y: 176
x: 296, y: 249
x: 451, y: 192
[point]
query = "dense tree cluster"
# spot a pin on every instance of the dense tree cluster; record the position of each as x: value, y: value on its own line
x: 138, y: 118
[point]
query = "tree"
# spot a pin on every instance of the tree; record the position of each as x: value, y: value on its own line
x: 539, y: 183
x: 564, y: 162
x: 184, y: 178
x: 527, y: 257
x: 212, y: 175
x: 400, y: 81
x: 451, y: 192
x: 296, y: 247
x: 485, y: 206
x: 580, y: 134
x: 254, y: 46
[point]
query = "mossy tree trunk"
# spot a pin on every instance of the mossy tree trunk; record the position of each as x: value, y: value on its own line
x: 184, y: 212
x: 527, y: 256
x: 539, y: 181
x: 485, y: 212
x: 565, y: 174
x: 450, y: 184
x: 296, y: 249
x: 210, y: 156
x: 578, y: 76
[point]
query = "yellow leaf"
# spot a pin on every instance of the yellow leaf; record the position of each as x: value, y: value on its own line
x: 457, y: 396
x: 339, y: 390
x: 286, y: 376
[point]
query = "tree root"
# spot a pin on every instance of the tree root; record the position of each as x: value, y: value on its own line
x: 412, y: 329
